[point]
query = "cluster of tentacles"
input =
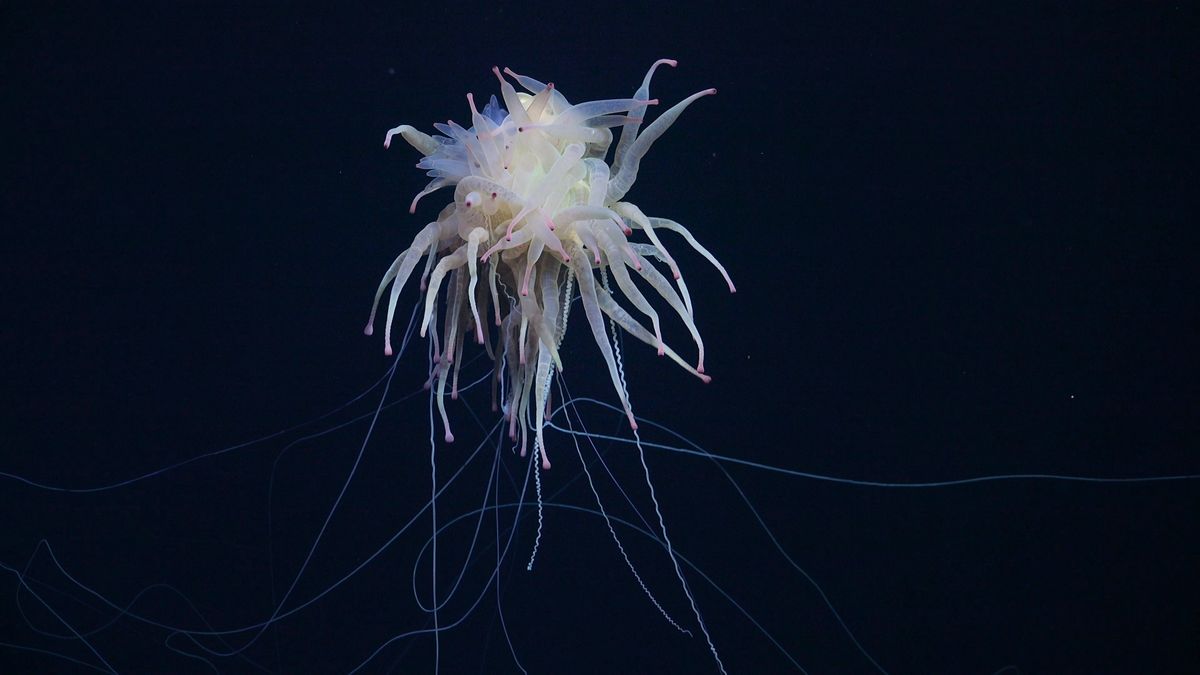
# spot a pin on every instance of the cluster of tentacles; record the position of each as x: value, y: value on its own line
x: 537, y: 211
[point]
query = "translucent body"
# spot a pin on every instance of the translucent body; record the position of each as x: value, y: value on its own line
x: 537, y: 210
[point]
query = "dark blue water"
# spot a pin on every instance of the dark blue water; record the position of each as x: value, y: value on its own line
x: 964, y: 243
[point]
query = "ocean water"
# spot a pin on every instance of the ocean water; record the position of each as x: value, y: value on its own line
x: 964, y: 246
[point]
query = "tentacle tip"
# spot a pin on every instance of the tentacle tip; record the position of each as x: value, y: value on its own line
x: 449, y: 436
x: 387, y: 350
x: 705, y: 378
x: 700, y: 367
x: 369, y: 330
x: 633, y: 425
x: 710, y: 92
x: 454, y: 396
x: 545, y: 464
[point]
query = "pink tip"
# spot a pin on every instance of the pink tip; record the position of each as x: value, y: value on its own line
x: 705, y: 379
x: 449, y: 436
x: 369, y: 330
x: 454, y: 395
x: 387, y: 350
x: 710, y: 92
x: 545, y: 464
x: 652, y: 101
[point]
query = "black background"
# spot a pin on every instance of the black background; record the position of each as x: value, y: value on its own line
x: 965, y: 244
